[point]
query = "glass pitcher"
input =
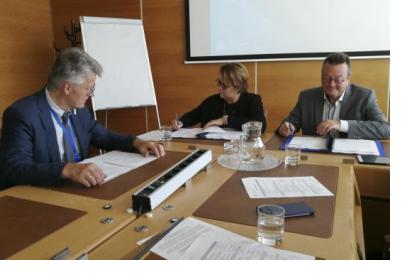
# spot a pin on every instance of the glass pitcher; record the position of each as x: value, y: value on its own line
x: 251, y: 147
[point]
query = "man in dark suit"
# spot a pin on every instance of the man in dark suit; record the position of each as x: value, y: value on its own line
x: 45, y: 135
x: 337, y: 107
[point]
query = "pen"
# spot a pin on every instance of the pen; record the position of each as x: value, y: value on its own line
x: 177, y: 118
x: 61, y: 255
x: 154, y: 240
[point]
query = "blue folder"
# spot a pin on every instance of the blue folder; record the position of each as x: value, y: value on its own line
x: 329, y: 143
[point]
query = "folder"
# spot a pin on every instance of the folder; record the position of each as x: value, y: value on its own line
x: 212, y: 132
x: 335, y: 145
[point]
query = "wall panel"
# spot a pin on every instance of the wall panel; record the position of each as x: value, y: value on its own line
x: 26, y: 51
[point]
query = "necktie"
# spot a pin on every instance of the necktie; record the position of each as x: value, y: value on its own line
x: 69, y: 154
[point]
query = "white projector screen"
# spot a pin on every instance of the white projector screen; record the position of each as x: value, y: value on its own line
x: 285, y: 29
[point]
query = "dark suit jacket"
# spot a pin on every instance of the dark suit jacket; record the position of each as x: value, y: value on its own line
x: 359, y: 108
x: 249, y: 107
x: 29, y: 151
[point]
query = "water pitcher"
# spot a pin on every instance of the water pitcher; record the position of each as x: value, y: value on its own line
x: 251, y: 147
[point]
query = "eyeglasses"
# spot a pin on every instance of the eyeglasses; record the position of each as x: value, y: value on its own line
x: 337, y: 80
x: 91, y: 91
x: 220, y: 84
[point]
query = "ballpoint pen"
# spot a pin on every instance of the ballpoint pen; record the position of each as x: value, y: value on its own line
x: 177, y: 119
x: 155, y: 239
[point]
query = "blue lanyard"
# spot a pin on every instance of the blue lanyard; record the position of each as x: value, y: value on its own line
x: 68, y: 133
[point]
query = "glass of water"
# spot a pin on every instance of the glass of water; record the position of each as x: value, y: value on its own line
x: 231, y: 147
x: 271, y: 224
x: 166, y: 133
x: 292, y: 155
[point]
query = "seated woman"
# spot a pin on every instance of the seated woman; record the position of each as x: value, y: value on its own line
x: 231, y: 107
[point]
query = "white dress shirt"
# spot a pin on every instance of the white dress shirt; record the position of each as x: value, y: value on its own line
x: 58, y: 129
x: 332, y: 112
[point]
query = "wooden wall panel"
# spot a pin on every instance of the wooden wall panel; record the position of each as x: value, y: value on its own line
x: 279, y: 84
x: 63, y: 11
x: 180, y: 87
x: 374, y: 73
x: 26, y: 51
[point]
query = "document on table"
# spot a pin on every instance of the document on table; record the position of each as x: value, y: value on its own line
x: 355, y: 146
x: 195, y: 240
x: 153, y: 135
x: 187, y: 132
x: 266, y: 187
x: 212, y: 132
x: 116, y: 163
x: 309, y: 142
x: 339, y: 145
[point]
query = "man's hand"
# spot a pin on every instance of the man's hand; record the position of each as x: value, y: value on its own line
x: 146, y: 147
x: 324, y: 127
x: 286, y: 129
x: 217, y: 122
x: 87, y: 174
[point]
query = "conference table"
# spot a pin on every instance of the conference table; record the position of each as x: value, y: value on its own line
x: 99, y: 224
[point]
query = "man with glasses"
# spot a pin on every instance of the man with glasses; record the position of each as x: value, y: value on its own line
x: 45, y: 135
x: 337, y: 107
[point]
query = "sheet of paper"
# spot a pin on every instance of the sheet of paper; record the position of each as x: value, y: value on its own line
x: 213, y: 129
x: 216, y: 132
x: 194, y: 239
x: 153, y: 135
x: 186, y: 132
x: 310, y: 142
x: 116, y: 163
x: 265, y: 187
x: 210, y: 247
x: 111, y: 171
x: 132, y: 160
x: 355, y: 146
x: 212, y: 132
x: 142, y: 241
x: 227, y: 135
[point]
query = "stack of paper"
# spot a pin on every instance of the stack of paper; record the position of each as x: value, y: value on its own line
x: 116, y: 163
x: 193, y: 239
x: 212, y: 132
x: 154, y: 135
x: 187, y: 132
x: 355, y: 146
x: 265, y: 187
x: 339, y: 145
x: 310, y: 143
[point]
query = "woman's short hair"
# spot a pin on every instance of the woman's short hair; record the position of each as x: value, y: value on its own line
x: 234, y: 75
x: 72, y: 65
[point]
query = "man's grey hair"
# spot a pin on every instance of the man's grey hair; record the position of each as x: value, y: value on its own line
x: 72, y: 65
